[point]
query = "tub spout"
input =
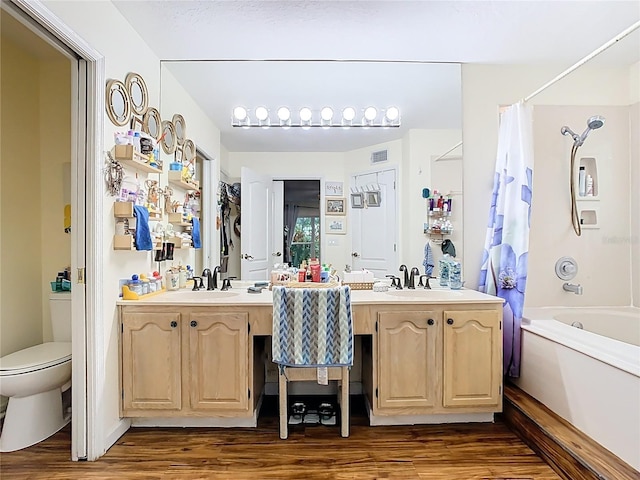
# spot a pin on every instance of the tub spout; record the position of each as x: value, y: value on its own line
x: 571, y: 287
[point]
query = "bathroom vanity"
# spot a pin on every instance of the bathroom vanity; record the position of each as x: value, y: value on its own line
x: 427, y: 356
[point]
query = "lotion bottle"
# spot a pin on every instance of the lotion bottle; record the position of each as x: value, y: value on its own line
x: 589, y: 186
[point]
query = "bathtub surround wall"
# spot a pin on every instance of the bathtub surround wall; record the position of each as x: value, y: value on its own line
x: 634, y: 187
x: 603, y: 251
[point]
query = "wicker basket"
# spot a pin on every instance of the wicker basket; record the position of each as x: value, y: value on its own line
x: 360, y: 285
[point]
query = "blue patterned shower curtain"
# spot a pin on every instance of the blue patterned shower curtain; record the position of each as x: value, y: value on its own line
x: 504, y: 263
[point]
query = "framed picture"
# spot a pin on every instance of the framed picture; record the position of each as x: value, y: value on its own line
x: 357, y: 200
x: 333, y: 189
x: 336, y: 225
x: 335, y: 206
x: 373, y: 199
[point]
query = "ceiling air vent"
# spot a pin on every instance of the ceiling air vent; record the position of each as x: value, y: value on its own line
x: 379, y: 156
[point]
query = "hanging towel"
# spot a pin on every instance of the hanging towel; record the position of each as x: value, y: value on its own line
x: 143, y: 234
x: 195, y: 232
x: 312, y: 327
x: 428, y: 260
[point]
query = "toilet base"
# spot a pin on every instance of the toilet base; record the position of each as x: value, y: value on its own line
x: 31, y: 419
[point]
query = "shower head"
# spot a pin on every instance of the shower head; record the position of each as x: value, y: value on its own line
x: 592, y: 124
x: 595, y: 122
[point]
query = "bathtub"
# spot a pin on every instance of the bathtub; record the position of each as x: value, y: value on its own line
x: 590, y: 376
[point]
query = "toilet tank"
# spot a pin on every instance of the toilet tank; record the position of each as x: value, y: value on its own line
x: 60, y: 308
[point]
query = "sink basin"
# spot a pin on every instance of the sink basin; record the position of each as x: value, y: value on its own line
x: 421, y: 293
x: 189, y: 295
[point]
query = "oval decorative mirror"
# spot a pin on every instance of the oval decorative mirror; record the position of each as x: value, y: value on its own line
x: 151, y: 122
x: 117, y: 103
x: 168, y: 137
x: 181, y: 128
x: 137, y: 93
x: 188, y: 151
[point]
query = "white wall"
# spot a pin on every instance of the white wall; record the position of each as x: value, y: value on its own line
x: 100, y: 24
x: 484, y: 89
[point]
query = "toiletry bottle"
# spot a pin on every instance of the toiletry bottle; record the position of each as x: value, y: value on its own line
x: 582, y: 182
x: 589, y: 186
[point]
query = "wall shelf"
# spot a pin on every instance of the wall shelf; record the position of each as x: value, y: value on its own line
x: 175, y: 178
x: 127, y: 156
x: 177, y: 220
x: 125, y: 210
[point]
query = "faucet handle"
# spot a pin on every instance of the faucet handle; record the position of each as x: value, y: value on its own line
x: 226, y: 284
x: 426, y: 283
x: 195, y: 283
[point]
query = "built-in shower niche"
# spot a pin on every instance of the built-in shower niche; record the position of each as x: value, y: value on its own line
x: 590, y: 169
x: 589, y: 219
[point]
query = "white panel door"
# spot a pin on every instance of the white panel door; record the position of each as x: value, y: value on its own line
x: 375, y: 229
x: 277, y: 207
x: 255, y: 233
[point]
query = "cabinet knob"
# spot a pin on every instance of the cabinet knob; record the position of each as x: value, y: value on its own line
x: 430, y: 321
x: 449, y: 321
x: 174, y: 324
x: 194, y: 323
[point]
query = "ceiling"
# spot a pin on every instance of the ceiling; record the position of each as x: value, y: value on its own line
x: 316, y: 53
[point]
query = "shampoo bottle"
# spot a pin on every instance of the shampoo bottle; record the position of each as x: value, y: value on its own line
x: 582, y: 182
x: 589, y: 186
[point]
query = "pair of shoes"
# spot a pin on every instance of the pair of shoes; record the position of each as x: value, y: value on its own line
x: 311, y: 418
x: 298, y: 411
x: 327, y: 414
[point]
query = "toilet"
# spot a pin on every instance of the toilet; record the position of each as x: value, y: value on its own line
x: 34, y: 380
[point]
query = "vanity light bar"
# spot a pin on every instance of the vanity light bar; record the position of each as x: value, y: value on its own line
x: 305, y: 118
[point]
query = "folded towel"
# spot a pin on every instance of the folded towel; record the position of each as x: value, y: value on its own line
x: 312, y: 327
x: 195, y: 232
x: 428, y: 260
x: 143, y: 234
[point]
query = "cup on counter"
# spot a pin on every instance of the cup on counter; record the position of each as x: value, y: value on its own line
x: 173, y: 281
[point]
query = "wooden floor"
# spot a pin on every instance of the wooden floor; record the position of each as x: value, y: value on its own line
x: 452, y: 452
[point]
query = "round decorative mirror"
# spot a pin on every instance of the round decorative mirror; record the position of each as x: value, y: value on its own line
x: 168, y: 137
x: 181, y: 128
x: 137, y: 93
x: 151, y: 122
x: 188, y: 151
x: 117, y: 103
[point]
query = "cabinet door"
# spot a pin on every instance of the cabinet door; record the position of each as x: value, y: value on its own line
x: 472, y: 358
x: 151, y: 361
x: 219, y: 357
x: 407, y: 360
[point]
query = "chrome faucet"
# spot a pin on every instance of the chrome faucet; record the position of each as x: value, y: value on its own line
x: 412, y: 276
x: 571, y: 287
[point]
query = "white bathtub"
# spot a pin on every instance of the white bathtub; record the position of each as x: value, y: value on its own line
x: 589, y: 379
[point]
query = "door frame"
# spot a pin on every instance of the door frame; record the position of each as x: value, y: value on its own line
x: 86, y: 236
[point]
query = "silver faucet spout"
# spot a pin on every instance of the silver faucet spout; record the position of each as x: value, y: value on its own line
x: 574, y: 288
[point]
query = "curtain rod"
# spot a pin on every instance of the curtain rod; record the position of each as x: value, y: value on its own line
x: 596, y: 52
x: 448, y: 151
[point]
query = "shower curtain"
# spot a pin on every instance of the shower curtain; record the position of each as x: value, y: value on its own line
x: 504, y: 263
x: 290, y: 218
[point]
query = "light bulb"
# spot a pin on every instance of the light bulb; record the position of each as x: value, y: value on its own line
x: 370, y: 113
x: 284, y: 114
x: 305, y: 114
x: 392, y: 113
x: 326, y: 114
x: 240, y: 113
x: 262, y: 113
x: 349, y: 114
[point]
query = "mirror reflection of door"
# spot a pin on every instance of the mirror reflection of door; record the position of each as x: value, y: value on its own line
x: 375, y: 229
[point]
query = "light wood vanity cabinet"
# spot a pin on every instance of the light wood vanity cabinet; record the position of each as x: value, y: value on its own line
x: 436, y: 360
x: 191, y: 362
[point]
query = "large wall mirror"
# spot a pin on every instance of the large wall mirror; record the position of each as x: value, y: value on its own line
x: 429, y: 99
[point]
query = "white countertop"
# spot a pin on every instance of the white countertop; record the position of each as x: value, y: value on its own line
x: 238, y: 296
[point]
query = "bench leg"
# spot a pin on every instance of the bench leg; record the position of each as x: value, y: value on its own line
x: 282, y: 402
x: 344, y: 403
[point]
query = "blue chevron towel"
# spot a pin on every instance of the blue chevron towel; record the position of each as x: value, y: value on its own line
x: 312, y: 327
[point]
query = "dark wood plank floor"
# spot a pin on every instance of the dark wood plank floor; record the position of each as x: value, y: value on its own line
x: 452, y: 452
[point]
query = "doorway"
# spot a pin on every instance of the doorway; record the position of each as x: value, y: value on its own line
x: 301, y: 237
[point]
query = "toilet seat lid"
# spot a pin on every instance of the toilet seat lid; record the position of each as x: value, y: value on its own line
x: 36, y: 357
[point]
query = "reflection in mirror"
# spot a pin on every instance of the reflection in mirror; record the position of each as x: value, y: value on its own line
x: 189, y: 151
x: 179, y: 124
x: 168, y: 137
x: 151, y: 122
x: 138, y: 95
x: 117, y: 103
x: 301, y: 221
x: 428, y: 95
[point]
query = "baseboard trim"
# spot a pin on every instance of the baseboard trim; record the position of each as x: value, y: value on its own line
x: 571, y: 453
